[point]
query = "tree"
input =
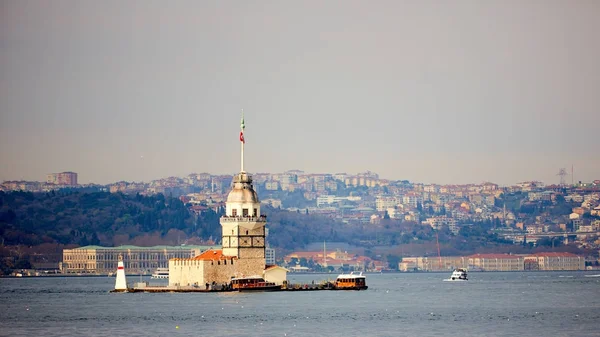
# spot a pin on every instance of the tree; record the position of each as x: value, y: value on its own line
x: 23, y: 263
x: 95, y: 241
x: 393, y: 261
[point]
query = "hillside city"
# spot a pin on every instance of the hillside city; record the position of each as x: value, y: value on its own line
x: 525, y: 214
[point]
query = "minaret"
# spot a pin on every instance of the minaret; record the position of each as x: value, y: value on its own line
x: 121, y: 282
x: 243, y: 226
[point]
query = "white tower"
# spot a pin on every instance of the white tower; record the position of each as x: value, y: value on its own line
x: 121, y: 282
x: 243, y: 226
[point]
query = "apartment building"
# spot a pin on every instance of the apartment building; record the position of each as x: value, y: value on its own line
x: 63, y: 178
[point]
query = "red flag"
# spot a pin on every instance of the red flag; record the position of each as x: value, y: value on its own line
x: 242, y: 137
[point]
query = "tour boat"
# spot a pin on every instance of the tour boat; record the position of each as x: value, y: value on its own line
x: 253, y: 283
x: 160, y: 273
x: 351, y: 282
x: 459, y: 274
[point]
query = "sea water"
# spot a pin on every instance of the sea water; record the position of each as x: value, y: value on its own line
x: 421, y: 304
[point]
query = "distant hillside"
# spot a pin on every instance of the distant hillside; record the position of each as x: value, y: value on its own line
x: 39, y: 225
x: 110, y: 219
x: 89, y: 218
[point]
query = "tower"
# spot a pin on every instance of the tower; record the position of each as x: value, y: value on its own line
x: 243, y: 226
x: 562, y: 173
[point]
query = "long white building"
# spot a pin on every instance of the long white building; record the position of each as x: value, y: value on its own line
x: 136, y: 260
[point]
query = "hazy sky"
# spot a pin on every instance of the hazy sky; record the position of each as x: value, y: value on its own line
x: 429, y: 91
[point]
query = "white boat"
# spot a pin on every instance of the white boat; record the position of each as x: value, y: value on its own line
x: 458, y: 275
x: 160, y: 273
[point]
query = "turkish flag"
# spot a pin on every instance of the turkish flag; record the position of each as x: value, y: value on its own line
x: 242, y: 137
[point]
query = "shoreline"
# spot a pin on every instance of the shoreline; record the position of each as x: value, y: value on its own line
x: 319, y: 273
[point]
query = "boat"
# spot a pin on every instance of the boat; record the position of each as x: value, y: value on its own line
x: 253, y: 283
x: 160, y: 273
x: 459, y: 274
x: 351, y: 282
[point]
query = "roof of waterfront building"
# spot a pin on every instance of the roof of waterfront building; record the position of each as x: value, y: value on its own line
x: 494, y: 256
x: 125, y: 247
x: 555, y: 254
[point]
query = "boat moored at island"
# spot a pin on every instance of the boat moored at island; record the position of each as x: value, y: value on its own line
x: 160, y: 273
x: 459, y: 274
x: 253, y: 283
x: 351, y: 282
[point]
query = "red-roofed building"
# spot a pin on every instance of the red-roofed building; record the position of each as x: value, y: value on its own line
x: 208, y: 267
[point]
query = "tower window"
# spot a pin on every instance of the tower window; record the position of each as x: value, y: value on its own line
x: 246, y: 232
x: 255, y: 213
x: 245, y: 212
x: 234, y: 212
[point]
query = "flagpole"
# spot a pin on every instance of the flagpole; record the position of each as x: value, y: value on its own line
x: 242, y: 140
x: 242, y: 156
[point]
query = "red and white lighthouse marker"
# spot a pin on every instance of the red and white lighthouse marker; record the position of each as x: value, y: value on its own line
x: 121, y: 282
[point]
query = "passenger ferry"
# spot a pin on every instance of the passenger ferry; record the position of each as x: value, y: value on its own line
x: 160, y: 273
x: 459, y: 274
x: 253, y: 283
x: 351, y: 282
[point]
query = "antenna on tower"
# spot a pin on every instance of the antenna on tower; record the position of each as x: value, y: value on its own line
x: 562, y: 173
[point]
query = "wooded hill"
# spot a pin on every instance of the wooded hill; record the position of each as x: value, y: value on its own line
x: 76, y: 218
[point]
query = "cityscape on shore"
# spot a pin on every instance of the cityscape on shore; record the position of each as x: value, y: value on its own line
x: 365, y: 198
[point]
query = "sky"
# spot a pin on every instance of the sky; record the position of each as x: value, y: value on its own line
x: 429, y: 91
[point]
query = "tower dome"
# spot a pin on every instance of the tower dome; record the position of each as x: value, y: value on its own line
x: 243, y: 191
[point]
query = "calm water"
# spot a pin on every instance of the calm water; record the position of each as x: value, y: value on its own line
x: 489, y: 304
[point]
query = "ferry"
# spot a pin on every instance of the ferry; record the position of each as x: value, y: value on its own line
x: 459, y: 274
x: 253, y: 283
x: 351, y: 282
x: 160, y: 273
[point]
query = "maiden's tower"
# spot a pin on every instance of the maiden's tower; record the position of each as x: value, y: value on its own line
x: 243, y: 240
